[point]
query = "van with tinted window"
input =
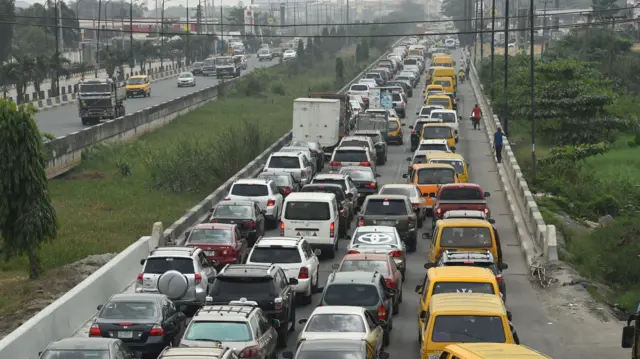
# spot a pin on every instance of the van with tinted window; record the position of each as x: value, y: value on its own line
x: 314, y: 216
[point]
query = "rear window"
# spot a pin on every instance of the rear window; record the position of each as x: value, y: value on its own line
x: 468, y: 329
x: 160, y: 265
x: 325, y: 189
x: 419, y: 159
x: 221, y: 331
x: 307, y: 211
x: 409, y: 192
x: 457, y: 164
x: 426, y: 111
x: 95, y: 354
x: 233, y: 211
x: 443, y: 83
x: 385, y: 207
x: 392, y: 125
x: 406, y: 78
x: 444, y: 102
x: 466, y: 237
x: 446, y: 117
x: 249, y: 190
x: 365, y: 266
x: 284, y: 162
x: 350, y: 156
x: 360, y: 295
x: 354, y: 143
x: 340, y: 182
x: 361, y: 175
x: 129, y: 310
x: 433, y: 147
x: 275, y: 254
x: 463, y: 287
x: 436, y: 132
x: 243, y: 287
x: 410, y: 62
x: 372, y: 75
x: 396, y: 97
x: 349, y: 323
x: 283, y: 181
x: 459, y: 194
x: 435, y: 176
x: 213, y: 236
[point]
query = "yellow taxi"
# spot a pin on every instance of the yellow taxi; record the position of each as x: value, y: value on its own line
x: 453, y: 159
x: 441, y: 71
x: 429, y: 177
x: 394, y: 131
x: 439, y: 131
x: 465, y: 234
x: 454, y: 279
x: 433, y: 90
x: 442, y: 60
x: 461, y: 317
x: 416, y: 52
x: 447, y: 85
x: 139, y: 85
x: 439, y: 100
x: 491, y: 351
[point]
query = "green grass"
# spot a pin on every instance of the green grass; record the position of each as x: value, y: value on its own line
x: 101, y: 211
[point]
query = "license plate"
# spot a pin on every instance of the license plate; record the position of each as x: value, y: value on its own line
x: 387, y: 223
x: 306, y: 233
x: 125, y: 335
x: 210, y: 253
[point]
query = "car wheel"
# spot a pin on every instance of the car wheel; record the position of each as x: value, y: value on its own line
x: 292, y: 318
x: 386, y: 338
x: 400, y: 297
x: 282, y: 336
x: 420, y: 222
x: 396, y: 306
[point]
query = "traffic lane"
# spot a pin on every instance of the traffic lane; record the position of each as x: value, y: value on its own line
x: 63, y: 120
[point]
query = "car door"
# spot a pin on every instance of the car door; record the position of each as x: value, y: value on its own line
x: 377, y: 332
x: 312, y: 260
x: 273, y: 192
x: 241, y: 243
x: 207, y: 270
x: 351, y: 187
x: 286, y: 293
x: 269, y: 336
x: 259, y: 219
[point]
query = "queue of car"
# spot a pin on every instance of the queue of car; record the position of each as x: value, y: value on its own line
x: 242, y: 287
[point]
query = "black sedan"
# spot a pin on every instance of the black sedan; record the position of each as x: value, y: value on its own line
x: 245, y: 214
x: 146, y: 323
x: 404, y: 84
x: 77, y: 347
x: 364, y: 179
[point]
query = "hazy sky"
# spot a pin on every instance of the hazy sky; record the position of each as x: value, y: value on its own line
x: 151, y: 3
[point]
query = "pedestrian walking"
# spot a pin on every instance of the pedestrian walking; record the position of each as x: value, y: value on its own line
x: 498, y: 137
x: 476, y: 115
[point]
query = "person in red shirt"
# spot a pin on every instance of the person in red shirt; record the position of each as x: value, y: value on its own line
x: 476, y: 115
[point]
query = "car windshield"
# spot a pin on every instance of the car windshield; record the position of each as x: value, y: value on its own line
x: 446, y: 117
x: 221, y: 331
x: 365, y: 266
x: 213, y: 236
x: 242, y: 287
x: 186, y: 75
x: 129, y: 310
x: 359, y: 88
x: 361, y: 295
x: 393, y: 125
x: 468, y: 329
x: 441, y: 147
x: 136, y: 81
x: 435, y: 176
x: 402, y: 191
x: 340, y: 182
x: 434, y: 92
x: 233, y: 211
x: 457, y: 164
x: 209, y: 62
x: 263, y: 51
x: 307, y: 211
x: 444, y: 102
x: 461, y: 194
x: 280, y: 180
x: 350, y: 156
x: 333, y: 354
x: 284, y: 162
x: 275, y: 254
x: 88, y: 88
x: 466, y: 237
x: 159, y: 265
x: 349, y: 323
x: 249, y: 190
x: 88, y: 354
x: 354, y: 143
x: 357, y: 175
x: 224, y: 61
x: 463, y: 287
x: 386, y: 207
x: 436, y: 132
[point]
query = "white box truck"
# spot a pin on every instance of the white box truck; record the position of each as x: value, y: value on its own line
x: 318, y: 119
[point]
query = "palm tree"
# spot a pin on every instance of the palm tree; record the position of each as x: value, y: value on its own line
x: 146, y: 51
x: 19, y: 72
x: 57, y: 69
x: 40, y: 71
x: 113, y: 58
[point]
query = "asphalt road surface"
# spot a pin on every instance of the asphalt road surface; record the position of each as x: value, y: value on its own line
x: 548, y: 329
x: 63, y: 120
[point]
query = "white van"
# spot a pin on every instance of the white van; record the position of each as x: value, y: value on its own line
x: 313, y: 216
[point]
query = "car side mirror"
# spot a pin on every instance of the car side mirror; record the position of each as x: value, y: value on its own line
x: 318, y: 290
x: 377, y: 176
x: 99, y: 307
x: 214, y: 263
x: 459, y: 118
x: 263, y: 211
x: 418, y: 289
x: 186, y: 234
x: 335, y: 266
x: 39, y: 353
x: 425, y: 195
x: 432, y: 194
x: 275, y: 323
x: 210, y: 280
x: 403, y: 125
x: 417, y: 113
x: 287, y: 355
x: 383, y: 355
x: 408, y: 159
x: 181, y: 315
x: 411, y: 126
x: 627, y: 336
x: 487, y: 194
x: 509, y: 316
x: 423, y: 314
x: 503, y: 266
x: 382, y: 323
x: 142, y: 261
x: 293, y: 281
x: 491, y: 220
x: 350, y: 195
x: 405, y: 176
x: 453, y: 148
x: 426, y: 235
x: 317, y: 252
x: 302, y: 321
x: 429, y: 265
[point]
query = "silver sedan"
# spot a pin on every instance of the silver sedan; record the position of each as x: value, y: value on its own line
x: 186, y: 79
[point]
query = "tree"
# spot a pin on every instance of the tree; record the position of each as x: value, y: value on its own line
x: 235, y: 18
x: 57, y: 69
x: 29, y: 40
x: 27, y: 216
x: 339, y: 70
x: 40, y: 71
x: 300, y: 50
x: 19, y: 73
x: 113, y: 58
x: 146, y: 52
x: 7, y: 17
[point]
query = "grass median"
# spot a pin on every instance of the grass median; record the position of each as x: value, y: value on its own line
x: 120, y: 190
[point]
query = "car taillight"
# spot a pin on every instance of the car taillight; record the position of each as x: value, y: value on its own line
x: 361, y: 222
x: 140, y: 278
x: 414, y: 132
x: 371, y: 185
x: 342, y: 211
x: 227, y: 199
x: 486, y: 211
x: 228, y: 252
x: 249, y: 352
x: 368, y: 164
x: 277, y: 303
x: 332, y: 230
x: 251, y: 224
x: 95, y: 330
x: 390, y: 283
x: 415, y: 205
x: 156, y: 331
x: 214, y: 221
x: 281, y: 229
x: 353, y: 251
x: 198, y: 278
x: 287, y: 191
x: 396, y: 254
x: 335, y: 164
x: 304, y: 273
x: 403, y: 104
x: 271, y: 203
x: 499, y: 278
x: 439, y: 211
x: 382, y: 312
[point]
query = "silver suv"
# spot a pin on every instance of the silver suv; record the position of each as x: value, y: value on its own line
x: 184, y: 274
x: 295, y: 163
x: 219, y: 352
x: 241, y: 325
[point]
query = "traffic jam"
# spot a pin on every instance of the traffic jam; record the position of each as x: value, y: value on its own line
x: 369, y: 212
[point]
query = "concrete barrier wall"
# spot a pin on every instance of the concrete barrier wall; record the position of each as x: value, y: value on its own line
x: 534, y: 235
x: 69, y: 313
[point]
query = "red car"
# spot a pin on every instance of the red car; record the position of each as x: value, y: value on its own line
x: 220, y: 241
x: 370, y: 262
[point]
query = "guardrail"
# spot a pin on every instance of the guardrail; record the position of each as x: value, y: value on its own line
x: 69, y: 313
x: 533, y: 234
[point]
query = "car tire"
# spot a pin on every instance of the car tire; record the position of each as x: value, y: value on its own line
x: 386, y: 339
x: 400, y: 297
x: 282, y: 336
x: 420, y: 222
x: 292, y: 317
x: 332, y: 253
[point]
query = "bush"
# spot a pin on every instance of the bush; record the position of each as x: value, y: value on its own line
x: 278, y: 88
x: 606, y: 204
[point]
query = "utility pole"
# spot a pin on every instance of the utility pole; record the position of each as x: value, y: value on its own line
x: 132, y: 61
x: 199, y: 18
x: 493, y: 45
x: 98, y: 40
x: 346, y: 27
x: 222, y: 30
x: 475, y: 36
x: 187, y: 52
x: 56, y: 89
x: 161, y: 32
x: 481, y: 31
x: 306, y: 18
x: 532, y: 116
x: 295, y: 15
x: 505, y: 119
x: 544, y: 25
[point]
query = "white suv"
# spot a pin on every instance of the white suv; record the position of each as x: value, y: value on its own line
x: 262, y: 191
x: 351, y: 156
x: 295, y: 163
x: 434, y: 146
x: 295, y: 256
x: 183, y: 274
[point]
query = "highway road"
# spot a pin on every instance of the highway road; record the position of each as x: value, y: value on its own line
x: 63, y: 120
x: 554, y: 331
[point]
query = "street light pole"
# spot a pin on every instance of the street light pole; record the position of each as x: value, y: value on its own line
x: 481, y: 31
x: 57, y: 53
x: 132, y: 62
x: 98, y: 40
x: 532, y: 116
x: 493, y: 45
x: 505, y: 119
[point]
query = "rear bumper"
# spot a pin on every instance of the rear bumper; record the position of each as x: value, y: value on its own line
x: 153, y: 345
x: 302, y: 286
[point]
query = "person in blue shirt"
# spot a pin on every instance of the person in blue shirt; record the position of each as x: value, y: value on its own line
x: 497, y: 143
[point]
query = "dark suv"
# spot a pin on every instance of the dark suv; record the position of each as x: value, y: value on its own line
x: 362, y: 289
x: 394, y: 211
x: 265, y: 284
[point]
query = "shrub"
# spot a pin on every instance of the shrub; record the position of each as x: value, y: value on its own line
x: 278, y: 88
x: 606, y: 204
